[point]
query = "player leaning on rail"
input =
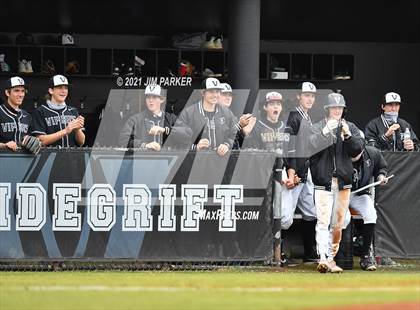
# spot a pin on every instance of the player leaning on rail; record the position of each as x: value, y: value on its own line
x: 55, y: 123
x: 16, y: 122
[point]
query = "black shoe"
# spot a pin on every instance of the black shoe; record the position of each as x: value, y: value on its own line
x: 284, y: 261
x: 367, y: 263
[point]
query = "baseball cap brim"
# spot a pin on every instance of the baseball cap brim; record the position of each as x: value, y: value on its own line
x: 68, y: 85
x: 156, y: 95
x: 391, y: 102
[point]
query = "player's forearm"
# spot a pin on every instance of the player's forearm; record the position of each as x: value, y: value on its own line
x: 3, y: 146
x: 51, y: 138
x: 80, y: 137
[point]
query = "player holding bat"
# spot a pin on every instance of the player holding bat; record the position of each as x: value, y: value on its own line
x: 334, y: 142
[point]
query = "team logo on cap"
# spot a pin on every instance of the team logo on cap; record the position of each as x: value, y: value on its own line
x: 392, y: 97
x: 21, y: 81
x: 337, y: 99
x: 226, y: 88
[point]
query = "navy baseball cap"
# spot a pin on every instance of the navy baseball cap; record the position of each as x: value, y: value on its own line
x: 15, y: 82
x: 58, y: 80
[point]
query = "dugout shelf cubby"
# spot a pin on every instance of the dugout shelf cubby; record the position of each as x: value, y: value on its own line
x: 100, y: 62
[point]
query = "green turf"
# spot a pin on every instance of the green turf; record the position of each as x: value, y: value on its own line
x: 222, y: 289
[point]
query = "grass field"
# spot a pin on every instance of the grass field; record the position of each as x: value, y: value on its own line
x: 227, y: 288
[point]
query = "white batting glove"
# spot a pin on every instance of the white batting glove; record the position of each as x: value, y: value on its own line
x: 329, y: 127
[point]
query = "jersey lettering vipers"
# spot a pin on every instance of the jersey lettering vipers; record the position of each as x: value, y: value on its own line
x: 14, y: 124
x: 46, y: 120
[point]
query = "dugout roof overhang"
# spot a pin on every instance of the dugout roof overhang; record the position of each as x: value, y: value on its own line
x: 366, y: 21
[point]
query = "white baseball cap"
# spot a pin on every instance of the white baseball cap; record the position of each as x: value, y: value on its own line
x: 58, y: 80
x: 153, y: 90
x: 226, y: 88
x: 15, y: 82
x: 271, y: 96
x: 212, y: 83
x: 392, y: 97
x: 308, y: 87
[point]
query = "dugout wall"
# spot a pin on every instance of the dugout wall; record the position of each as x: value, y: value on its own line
x: 72, y: 218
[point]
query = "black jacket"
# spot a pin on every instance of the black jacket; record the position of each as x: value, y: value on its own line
x: 375, y: 135
x: 299, y: 125
x: 193, y: 125
x: 271, y: 137
x: 333, y: 156
x: 14, y: 124
x: 266, y: 136
x: 47, y: 120
x: 135, y: 132
x: 371, y: 164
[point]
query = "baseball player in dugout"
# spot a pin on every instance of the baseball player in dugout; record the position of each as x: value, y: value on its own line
x: 368, y: 165
x: 270, y: 133
x: 54, y: 122
x: 16, y: 122
x: 150, y: 128
x: 212, y: 125
x: 334, y: 142
x: 298, y: 191
x: 389, y: 132
x: 246, y: 121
